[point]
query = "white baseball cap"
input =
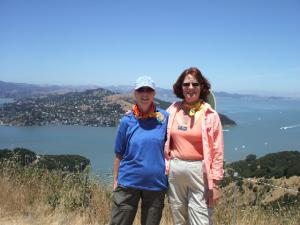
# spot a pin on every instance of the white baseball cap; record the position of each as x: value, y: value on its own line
x: 144, y: 81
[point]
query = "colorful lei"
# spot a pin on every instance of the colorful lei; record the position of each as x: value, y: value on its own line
x: 152, y: 114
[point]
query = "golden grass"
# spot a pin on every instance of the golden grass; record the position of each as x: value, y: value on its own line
x: 30, y: 196
x: 122, y: 99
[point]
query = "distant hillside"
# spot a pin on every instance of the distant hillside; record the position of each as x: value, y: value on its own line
x: 96, y: 107
x: 168, y: 95
x: 22, y: 90
x: 161, y: 93
x: 16, y: 90
x: 88, y: 108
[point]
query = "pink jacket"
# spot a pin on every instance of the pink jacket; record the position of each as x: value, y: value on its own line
x: 212, y: 139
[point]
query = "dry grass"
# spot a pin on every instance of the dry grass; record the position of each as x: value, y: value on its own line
x: 40, y: 197
x: 35, y: 196
x: 125, y: 100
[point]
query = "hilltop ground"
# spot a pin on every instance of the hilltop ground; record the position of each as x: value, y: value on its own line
x: 41, y: 197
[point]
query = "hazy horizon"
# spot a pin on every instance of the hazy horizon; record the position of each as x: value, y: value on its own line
x: 242, y: 92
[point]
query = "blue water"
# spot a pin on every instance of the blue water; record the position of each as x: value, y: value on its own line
x: 95, y: 143
x: 264, y: 126
x: 259, y: 122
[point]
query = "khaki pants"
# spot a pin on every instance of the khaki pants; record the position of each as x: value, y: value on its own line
x: 187, y: 193
x: 125, y: 204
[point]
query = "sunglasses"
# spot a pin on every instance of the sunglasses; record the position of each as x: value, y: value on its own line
x: 144, y: 89
x: 188, y: 84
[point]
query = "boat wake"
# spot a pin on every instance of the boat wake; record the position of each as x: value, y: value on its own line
x: 290, y: 127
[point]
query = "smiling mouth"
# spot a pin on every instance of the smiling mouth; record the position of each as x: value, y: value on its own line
x: 191, y: 93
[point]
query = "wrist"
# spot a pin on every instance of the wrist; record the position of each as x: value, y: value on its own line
x: 216, y: 184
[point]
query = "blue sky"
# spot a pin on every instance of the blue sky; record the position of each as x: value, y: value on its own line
x: 240, y: 46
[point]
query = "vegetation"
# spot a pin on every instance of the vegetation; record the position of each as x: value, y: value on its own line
x: 280, y: 164
x: 35, y: 195
x: 24, y: 157
x: 32, y: 195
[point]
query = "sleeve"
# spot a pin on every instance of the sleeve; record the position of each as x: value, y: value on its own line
x: 121, y: 142
x: 218, y: 149
x: 167, y: 137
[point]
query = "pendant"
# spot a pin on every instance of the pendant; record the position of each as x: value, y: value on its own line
x: 192, y: 112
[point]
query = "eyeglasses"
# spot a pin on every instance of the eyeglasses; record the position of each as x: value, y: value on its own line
x: 144, y: 89
x: 195, y: 84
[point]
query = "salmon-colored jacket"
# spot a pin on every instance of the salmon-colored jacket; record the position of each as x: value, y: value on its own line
x: 212, y: 139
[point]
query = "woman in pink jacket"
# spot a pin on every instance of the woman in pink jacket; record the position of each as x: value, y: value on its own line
x: 194, y: 151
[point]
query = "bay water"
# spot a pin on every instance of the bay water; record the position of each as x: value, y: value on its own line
x: 263, y: 126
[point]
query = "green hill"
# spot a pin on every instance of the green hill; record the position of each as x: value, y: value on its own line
x: 280, y: 164
x: 26, y: 157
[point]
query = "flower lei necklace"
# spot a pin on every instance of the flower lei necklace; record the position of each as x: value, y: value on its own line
x: 152, y: 113
x: 193, y: 108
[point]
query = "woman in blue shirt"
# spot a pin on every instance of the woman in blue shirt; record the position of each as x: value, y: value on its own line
x: 139, y: 166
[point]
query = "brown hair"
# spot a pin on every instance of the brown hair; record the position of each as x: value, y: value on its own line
x: 195, y: 72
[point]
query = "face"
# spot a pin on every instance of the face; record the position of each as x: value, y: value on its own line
x: 190, y: 89
x: 144, y: 97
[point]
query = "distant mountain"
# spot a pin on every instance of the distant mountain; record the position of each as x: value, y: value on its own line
x: 161, y: 93
x: 233, y: 95
x: 15, y: 90
x: 168, y: 95
x: 96, y: 107
x: 119, y: 88
x: 21, y: 90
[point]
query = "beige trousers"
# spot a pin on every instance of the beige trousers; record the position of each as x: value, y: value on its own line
x: 187, y: 193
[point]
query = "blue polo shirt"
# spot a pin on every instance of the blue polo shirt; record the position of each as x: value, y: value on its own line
x: 140, y: 143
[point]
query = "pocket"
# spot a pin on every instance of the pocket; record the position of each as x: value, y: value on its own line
x: 119, y: 188
x: 125, y: 198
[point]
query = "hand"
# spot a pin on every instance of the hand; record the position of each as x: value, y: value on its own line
x: 115, y: 185
x: 213, y: 196
x: 167, y: 154
x: 128, y: 112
